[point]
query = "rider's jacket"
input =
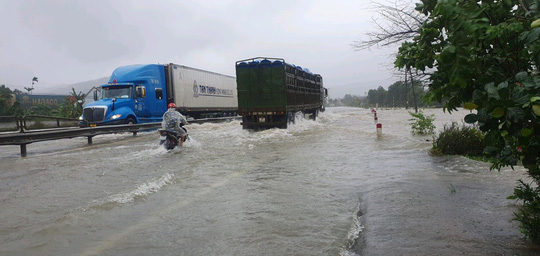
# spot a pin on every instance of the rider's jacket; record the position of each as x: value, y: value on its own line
x: 172, y: 119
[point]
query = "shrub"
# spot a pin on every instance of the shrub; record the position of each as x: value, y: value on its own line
x: 422, y: 124
x: 456, y: 140
x: 529, y: 214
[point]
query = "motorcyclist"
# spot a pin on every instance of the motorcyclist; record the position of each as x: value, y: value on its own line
x: 172, y: 119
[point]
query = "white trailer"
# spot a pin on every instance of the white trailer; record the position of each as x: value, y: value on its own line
x: 201, y: 93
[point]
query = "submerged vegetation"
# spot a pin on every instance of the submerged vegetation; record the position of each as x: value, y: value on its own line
x: 422, y: 124
x: 463, y: 140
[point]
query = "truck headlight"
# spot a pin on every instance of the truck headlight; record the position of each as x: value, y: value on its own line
x: 80, y: 118
x: 115, y: 116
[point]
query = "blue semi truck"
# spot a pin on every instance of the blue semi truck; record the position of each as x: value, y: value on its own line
x: 141, y: 93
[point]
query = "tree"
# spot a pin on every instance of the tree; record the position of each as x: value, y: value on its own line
x: 72, y: 106
x: 30, y: 89
x: 351, y: 100
x: 399, y: 22
x: 373, y: 97
x: 41, y: 109
x: 486, y: 56
x: 6, y: 96
x: 8, y: 105
x: 382, y: 96
x: 396, y: 95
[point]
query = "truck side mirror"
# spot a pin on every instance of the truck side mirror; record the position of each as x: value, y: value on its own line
x: 141, y: 92
x: 95, y: 95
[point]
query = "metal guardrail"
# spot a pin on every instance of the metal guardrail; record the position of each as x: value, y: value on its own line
x: 10, y: 123
x: 34, y: 122
x: 24, y: 137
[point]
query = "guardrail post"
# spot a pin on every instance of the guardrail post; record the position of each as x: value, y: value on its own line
x: 20, y: 125
x: 90, y: 139
x: 23, y: 150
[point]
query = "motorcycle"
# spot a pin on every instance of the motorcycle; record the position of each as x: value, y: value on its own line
x: 170, y: 138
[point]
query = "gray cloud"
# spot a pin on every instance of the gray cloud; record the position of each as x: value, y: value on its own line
x: 65, y: 42
x: 80, y: 29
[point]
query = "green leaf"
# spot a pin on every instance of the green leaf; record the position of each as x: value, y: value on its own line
x: 521, y: 76
x: 478, y: 95
x: 535, y: 23
x: 502, y: 124
x: 492, y: 91
x: 523, y: 36
x: 536, y: 80
x: 526, y: 132
x: 521, y: 98
x: 482, y: 116
x: 491, y: 150
x: 449, y: 49
x: 535, y: 98
x: 536, y: 109
x: 469, y: 105
x: 529, y: 84
x: 493, y: 140
x: 470, y: 118
x: 498, y: 112
x: 533, y: 35
x: 515, y: 115
x: 502, y: 85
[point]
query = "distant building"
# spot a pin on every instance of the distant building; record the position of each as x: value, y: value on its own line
x: 28, y: 101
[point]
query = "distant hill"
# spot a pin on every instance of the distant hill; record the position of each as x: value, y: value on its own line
x: 83, y: 87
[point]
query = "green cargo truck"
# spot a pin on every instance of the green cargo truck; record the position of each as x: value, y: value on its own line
x: 271, y: 92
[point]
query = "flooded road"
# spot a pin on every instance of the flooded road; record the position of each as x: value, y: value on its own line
x: 325, y: 187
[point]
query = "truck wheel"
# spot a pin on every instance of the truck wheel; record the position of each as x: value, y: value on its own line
x: 130, y: 120
x: 291, y: 117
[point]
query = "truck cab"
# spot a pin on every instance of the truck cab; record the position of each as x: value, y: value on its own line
x: 134, y: 94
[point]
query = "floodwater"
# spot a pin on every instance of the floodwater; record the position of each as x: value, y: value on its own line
x: 325, y: 187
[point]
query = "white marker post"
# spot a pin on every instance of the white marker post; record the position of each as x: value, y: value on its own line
x: 379, y: 130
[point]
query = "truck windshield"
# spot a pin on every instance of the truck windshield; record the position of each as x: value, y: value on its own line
x: 116, y: 92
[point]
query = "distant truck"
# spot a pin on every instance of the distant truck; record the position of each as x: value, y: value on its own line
x: 271, y: 92
x: 141, y: 93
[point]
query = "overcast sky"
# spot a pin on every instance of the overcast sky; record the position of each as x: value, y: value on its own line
x: 64, y: 42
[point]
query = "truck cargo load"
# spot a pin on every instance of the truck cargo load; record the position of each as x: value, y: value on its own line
x: 271, y: 91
